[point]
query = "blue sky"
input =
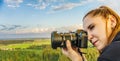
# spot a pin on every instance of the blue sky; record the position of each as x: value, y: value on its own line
x: 38, y: 18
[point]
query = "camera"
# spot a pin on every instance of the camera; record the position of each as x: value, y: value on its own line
x: 78, y: 39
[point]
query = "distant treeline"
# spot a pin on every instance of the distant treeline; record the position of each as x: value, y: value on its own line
x: 6, y: 42
x: 17, y: 41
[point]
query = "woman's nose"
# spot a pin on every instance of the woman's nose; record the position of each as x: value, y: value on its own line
x: 90, y: 36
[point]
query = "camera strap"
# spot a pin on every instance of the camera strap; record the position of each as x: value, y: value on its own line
x: 81, y: 54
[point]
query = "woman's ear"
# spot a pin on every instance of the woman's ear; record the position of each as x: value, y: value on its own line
x: 113, y: 21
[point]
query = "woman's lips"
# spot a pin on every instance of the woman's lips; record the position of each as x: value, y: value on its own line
x: 94, y: 43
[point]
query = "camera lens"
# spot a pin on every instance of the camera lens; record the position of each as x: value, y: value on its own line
x: 78, y: 39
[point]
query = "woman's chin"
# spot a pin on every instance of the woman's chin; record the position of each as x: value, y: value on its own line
x: 99, y: 48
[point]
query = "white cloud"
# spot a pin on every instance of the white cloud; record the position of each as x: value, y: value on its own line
x: 35, y: 30
x: 13, y: 6
x: 69, y: 5
x: 55, y: 5
x: 86, y: 2
x: 60, y: 29
x: 43, y: 29
x: 13, y: 3
x: 101, y: 0
x: 69, y: 28
x: 41, y: 6
x: 66, y: 6
x: 29, y: 4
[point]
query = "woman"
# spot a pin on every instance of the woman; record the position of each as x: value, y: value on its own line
x: 103, y: 28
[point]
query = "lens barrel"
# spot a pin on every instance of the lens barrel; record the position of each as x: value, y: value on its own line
x: 78, y: 39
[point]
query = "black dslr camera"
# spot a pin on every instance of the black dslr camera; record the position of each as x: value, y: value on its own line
x: 78, y: 39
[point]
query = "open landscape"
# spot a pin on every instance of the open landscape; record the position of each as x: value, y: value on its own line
x: 27, y: 25
x: 37, y: 50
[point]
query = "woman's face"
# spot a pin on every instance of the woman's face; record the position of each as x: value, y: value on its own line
x: 96, y: 29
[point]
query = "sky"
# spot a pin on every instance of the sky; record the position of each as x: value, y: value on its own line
x: 38, y: 18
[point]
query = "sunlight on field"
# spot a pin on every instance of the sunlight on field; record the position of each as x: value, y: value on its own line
x: 27, y: 44
x: 42, y: 42
x: 38, y: 50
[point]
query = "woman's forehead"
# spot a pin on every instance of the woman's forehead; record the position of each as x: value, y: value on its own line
x: 91, y: 20
x: 87, y: 20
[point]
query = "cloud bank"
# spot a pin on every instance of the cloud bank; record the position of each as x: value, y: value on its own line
x: 19, y: 31
x: 50, y: 5
x: 54, y: 5
x: 9, y: 27
x: 13, y: 3
x: 58, y: 5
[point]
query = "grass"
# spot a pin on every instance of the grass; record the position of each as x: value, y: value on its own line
x: 41, y: 48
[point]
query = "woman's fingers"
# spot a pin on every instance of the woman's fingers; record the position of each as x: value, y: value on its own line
x: 68, y: 48
x: 71, y: 52
x: 68, y: 45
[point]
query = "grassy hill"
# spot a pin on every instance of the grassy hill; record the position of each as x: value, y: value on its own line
x: 37, y: 50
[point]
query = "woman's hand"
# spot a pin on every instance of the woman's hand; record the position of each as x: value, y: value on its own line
x: 71, y: 52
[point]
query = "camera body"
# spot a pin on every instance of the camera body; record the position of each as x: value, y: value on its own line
x: 78, y: 39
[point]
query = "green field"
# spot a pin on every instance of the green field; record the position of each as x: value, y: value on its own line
x: 37, y: 50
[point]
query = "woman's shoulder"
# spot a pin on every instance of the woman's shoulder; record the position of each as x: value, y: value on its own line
x: 113, y: 48
x: 111, y: 52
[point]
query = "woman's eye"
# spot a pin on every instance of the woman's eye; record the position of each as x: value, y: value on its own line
x: 91, y: 27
